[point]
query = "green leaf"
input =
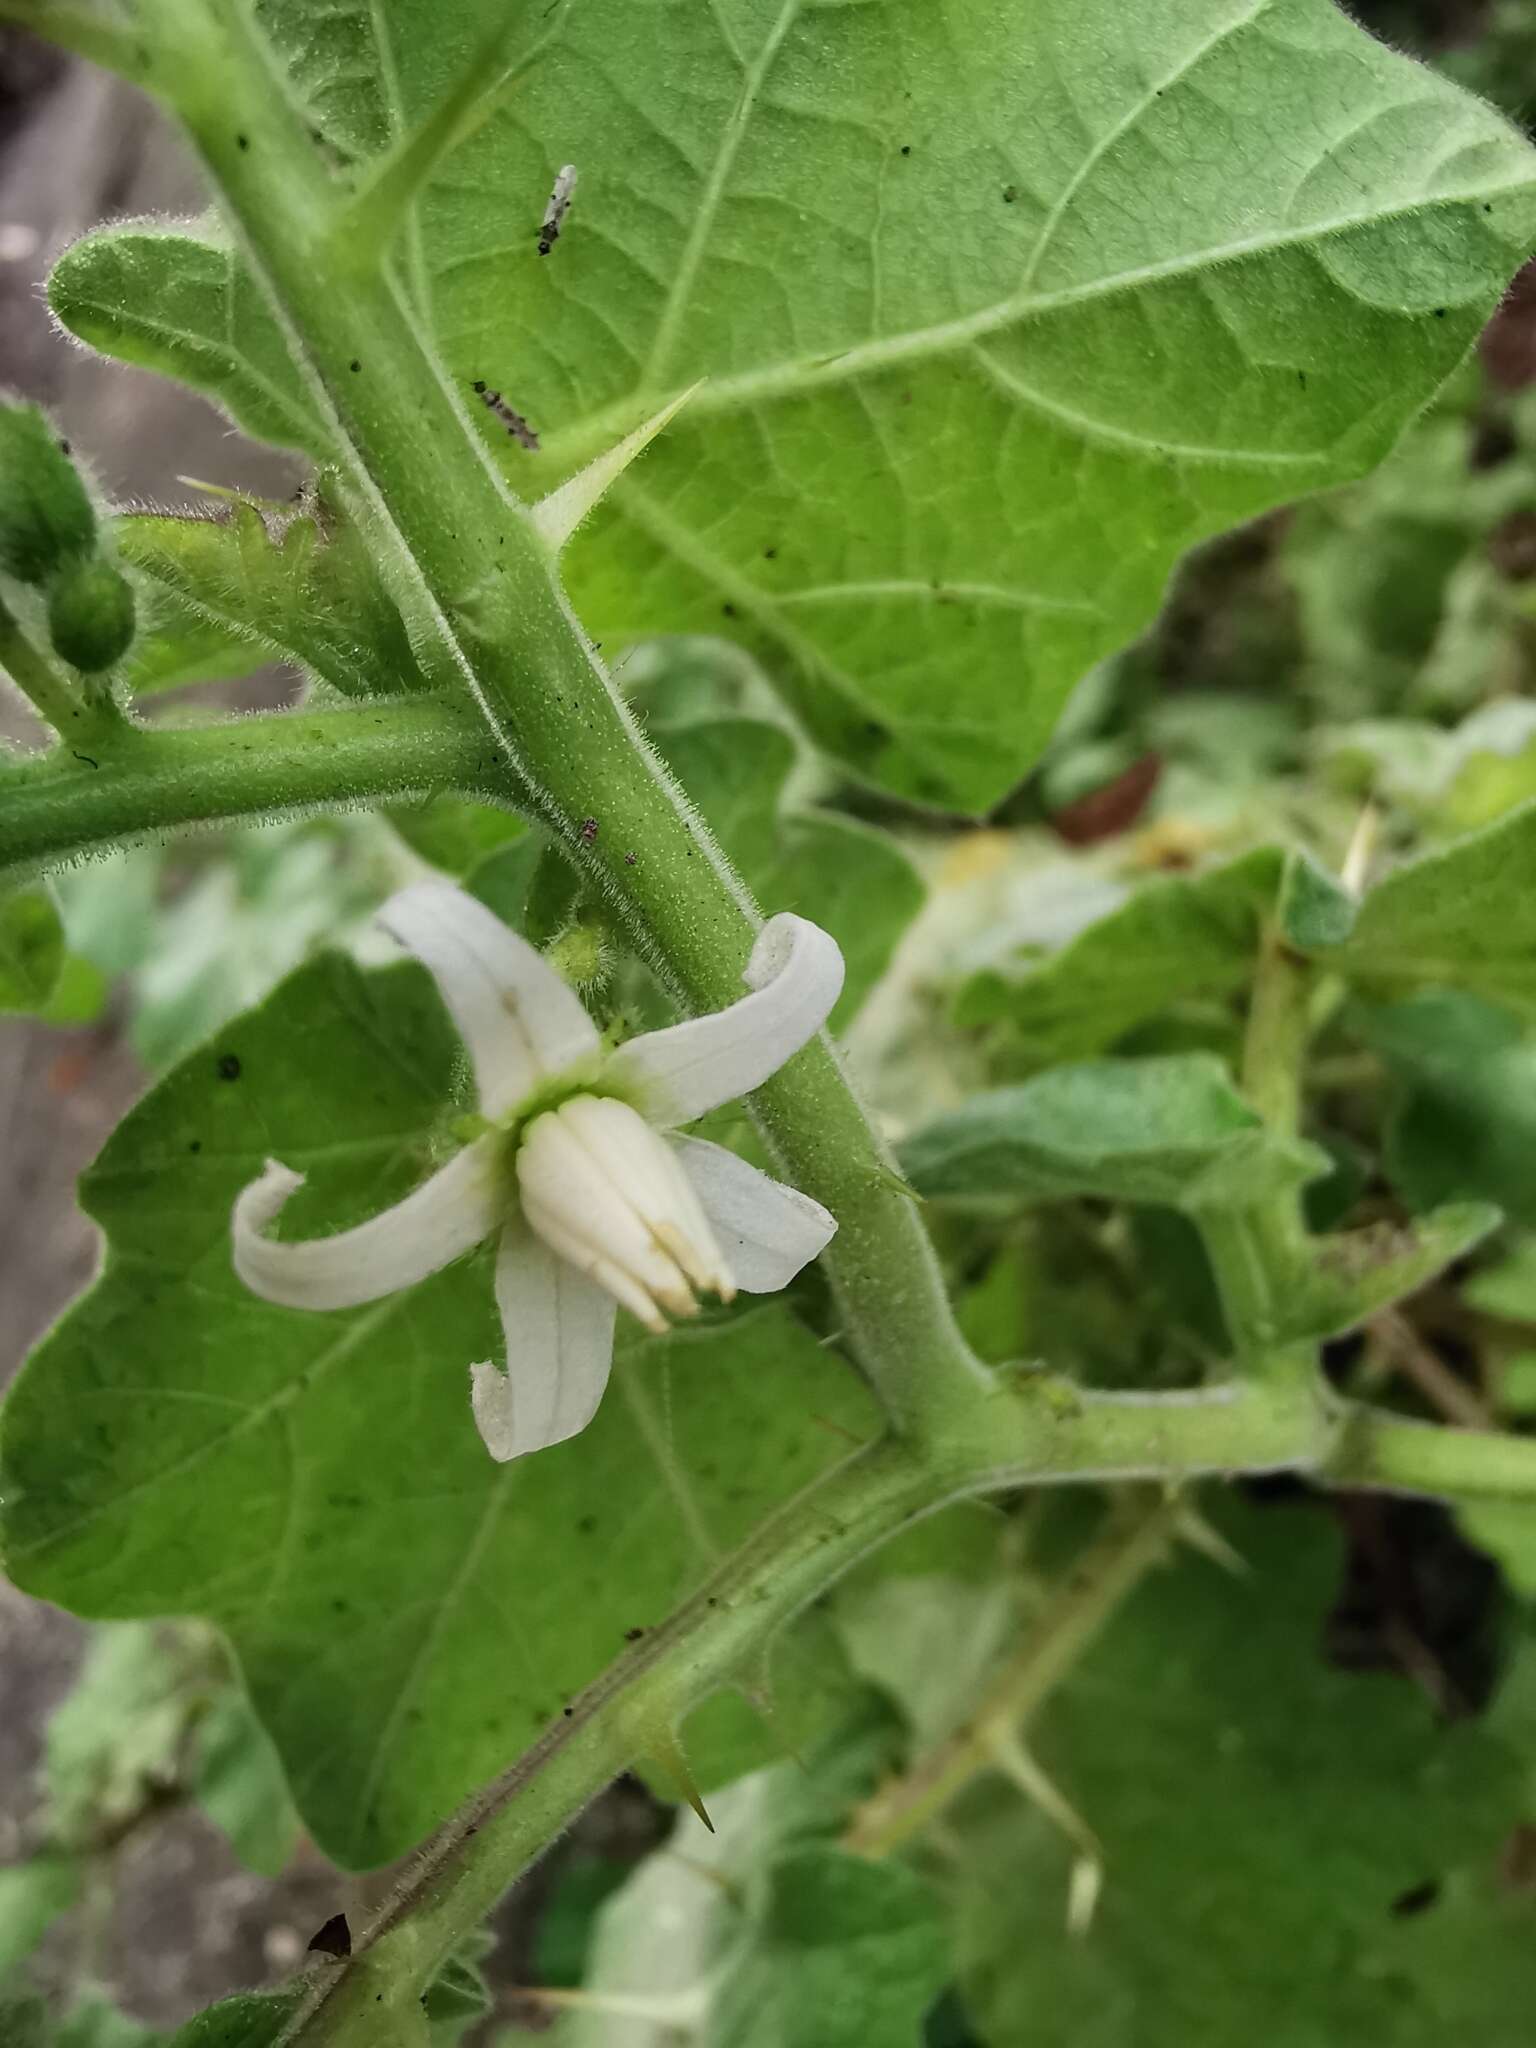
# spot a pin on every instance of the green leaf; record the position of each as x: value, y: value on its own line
x: 1463, y: 1127
x: 1462, y: 919
x: 1001, y: 309
x: 457, y: 835
x: 32, y: 1896
x: 183, y: 302
x: 238, y: 1782
x: 251, y: 2019
x: 1314, y: 909
x: 847, y: 877
x: 1179, y: 939
x: 1507, y: 1288
x: 1356, y: 1274
x: 764, y: 1934
x: 1261, y: 1815
x: 1171, y: 1131
x: 31, y: 949
x: 408, y: 1615
x: 850, y: 1954
x: 299, y: 588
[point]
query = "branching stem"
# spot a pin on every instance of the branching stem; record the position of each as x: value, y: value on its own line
x: 58, y: 806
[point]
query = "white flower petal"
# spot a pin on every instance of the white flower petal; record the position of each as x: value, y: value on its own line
x: 559, y: 1331
x: 766, y: 1230
x: 795, y: 974
x: 445, y: 1216
x: 518, y: 1019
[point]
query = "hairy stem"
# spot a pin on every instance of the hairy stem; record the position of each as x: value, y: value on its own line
x: 486, y: 586
x: 1018, y: 1437
x: 56, y: 700
x: 1256, y: 1252
x: 56, y: 806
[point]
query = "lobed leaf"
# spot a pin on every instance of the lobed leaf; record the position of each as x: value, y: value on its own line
x: 407, y: 1614
x: 1002, y: 308
x: 1267, y: 1824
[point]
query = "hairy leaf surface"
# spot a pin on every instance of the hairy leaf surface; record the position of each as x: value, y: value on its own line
x: 1001, y: 308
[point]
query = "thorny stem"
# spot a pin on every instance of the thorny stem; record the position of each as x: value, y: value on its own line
x: 1079, y: 1609
x: 1016, y: 1439
x: 470, y: 567
x: 481, y: 585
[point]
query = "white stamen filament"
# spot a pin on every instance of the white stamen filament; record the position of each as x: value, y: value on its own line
x: 605, y: 1192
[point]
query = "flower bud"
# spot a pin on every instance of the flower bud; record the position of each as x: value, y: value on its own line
x: 91, y: 615
x: 46, y: 516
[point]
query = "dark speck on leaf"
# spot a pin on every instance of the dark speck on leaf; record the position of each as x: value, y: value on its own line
x: 243, y: 141
x: 729, y: 610
x: 633, y: 1635
x: 568, y: 1712
x: 1439, y: 312
x: 229, y: 1066
x: 589, y: 831
x: 1010, y: 193
x: 1417, y: 1899
x: 333, y: 1939
x: 906, y: 149
x: 196, y: 1145
x: 63, y: 447
x: 354, y: 365
x: 630, y: 859
x: 1301, y: 379
x: 770, y: 554
x: 586, y: 1525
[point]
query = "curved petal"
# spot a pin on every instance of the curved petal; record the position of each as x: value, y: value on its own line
x: 559, y: 1330
x: 518, y: 1019
x: 766, y: 1230
x: 445, y: 1216
x: 795, y: 975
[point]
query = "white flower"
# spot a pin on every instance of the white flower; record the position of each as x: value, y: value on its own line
x: 594, y: 1199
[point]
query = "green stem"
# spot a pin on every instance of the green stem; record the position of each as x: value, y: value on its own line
x: 486, y: 586
x: 72, y: 28
x: 1111, y: 1566
x: 1257, y: 1252
x: 631, y: 1709
x: 56, y: 806
x: 1391, y: 1454
x: 1279, y: 1024
x: 1017, y: 1436
x: 57, y: 700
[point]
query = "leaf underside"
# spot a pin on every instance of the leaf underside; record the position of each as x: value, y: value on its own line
x: 1001, y: 308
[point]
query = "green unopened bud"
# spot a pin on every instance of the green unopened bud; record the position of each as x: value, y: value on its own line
x: 91, y: 615
x: 46, y: 515
x: 582, y: 956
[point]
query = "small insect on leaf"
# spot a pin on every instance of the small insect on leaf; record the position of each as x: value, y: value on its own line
x: 559, y: 206
x: 514, y: 422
